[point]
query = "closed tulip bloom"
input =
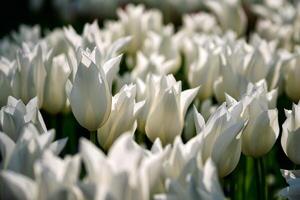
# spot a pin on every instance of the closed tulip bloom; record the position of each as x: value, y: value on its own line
x: 6, y: 70
x: 58, y: 72
x: 122, y: 117
x: 229, y: 13
x: 166, y: 114
x: 262, y: 128
x: 204, y: 71
x: 16, y: 115
x: 291, y: 77
x: 222, y: 137
x: 291, y: 134
x: 89, y: 94
x: 29, y: 77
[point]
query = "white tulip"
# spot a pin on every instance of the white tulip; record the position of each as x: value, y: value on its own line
x: 164, y: 44
x: 127, y: 163
x: 21, y: 156
x: 58, y: 72
x: 232, y: 79
x: 259, y: 110
x: 204, y: 71
x: 6, y: 71
x: 15, y: 115
x: 155, y: 64
x: 222, y: 137
x: 89, y: 94
x: 137, y: 22
x: 194, y: 183
x: 54, y: 178
x: 229, y: 13
x: 29, y: 77
x: 200, y: 22
x: 165, y: 118
x: 291, y: 74
x: 262, y: 128
x: 122, y: 118
x: 291, y: 134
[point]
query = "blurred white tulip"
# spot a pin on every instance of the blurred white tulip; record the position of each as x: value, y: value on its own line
x: 291, y: 134
x: 200, y: 22
x: 54, y: 178
x: 58, y: 72
x: 15, y: 116
x: 229, y: 13
x: 195, y: 184
x: 29, y: 77
x: 204, y: 71
x: 6, y: 71
x: 20, y: 156
x: 291, y: 74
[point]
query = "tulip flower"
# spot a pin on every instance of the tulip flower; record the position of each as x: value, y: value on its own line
x: 89, y: 94
x: 204, y: 71
x: 58, y: 72
x: 6, y: 70
x: 15, y: 115
x: 55, y: 178
x: 136, y: 22
x: 21, y: 156
x: 229, y: 13
x: 200, y: 22
x: 164, y: 44
x: 222, y: 137
x: 291, y: 74
x: 195, y: 184
x: 29, y: 77
x: 168, y: 105
x: 291, y: 133
x: 122, y: 118
x: 262, y: 122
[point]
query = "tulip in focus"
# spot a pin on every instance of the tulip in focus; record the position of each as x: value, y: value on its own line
x: 89, y: 94
x: 165, y: 119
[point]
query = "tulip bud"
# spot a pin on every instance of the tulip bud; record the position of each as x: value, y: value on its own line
x: 291, y: 76
x: 122, y: 117
x: 6, y: 69
x: 222, y: 138
x: 229, y: 13
x: 15, y: 115
x: 165, y: 119
x: 57, y: 75
x: 262, y: 128
x: 291, y: 134
x: 29, y: 77
x: 89, y: 94
x: 204, y: 71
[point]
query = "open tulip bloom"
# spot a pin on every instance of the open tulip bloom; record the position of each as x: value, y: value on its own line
x: 138, y: 106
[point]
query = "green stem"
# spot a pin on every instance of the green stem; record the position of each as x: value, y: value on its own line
x: 244, y: 184
x: 258, y: 179
x: 93, y: 137
x: 263, y: 178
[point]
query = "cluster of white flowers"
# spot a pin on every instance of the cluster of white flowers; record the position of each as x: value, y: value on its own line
x: 233, y: 81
